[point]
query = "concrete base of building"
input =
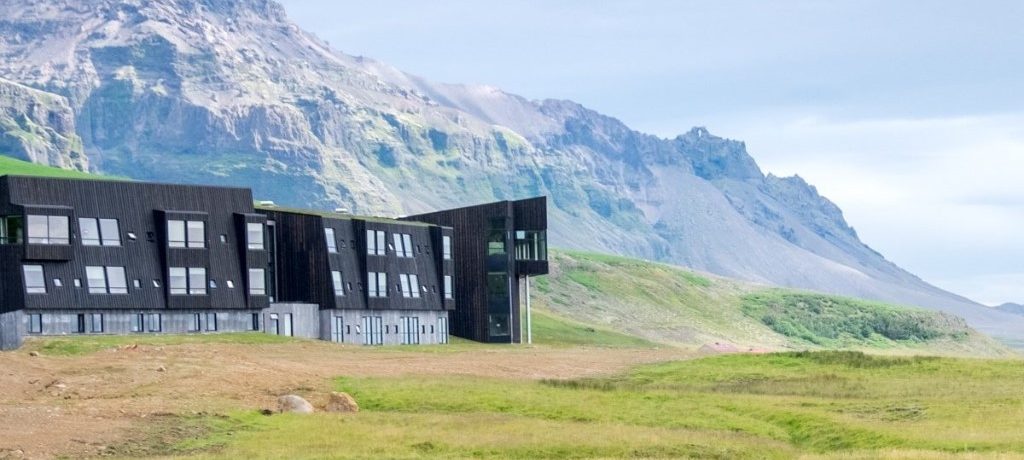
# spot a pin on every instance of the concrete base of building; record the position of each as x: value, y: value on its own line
x: 384, y: 327
x: 117, y: 322
x: 12, y: 328
x: 292, y: 319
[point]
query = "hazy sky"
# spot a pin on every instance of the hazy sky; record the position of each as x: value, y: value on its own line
x: 909, y: 115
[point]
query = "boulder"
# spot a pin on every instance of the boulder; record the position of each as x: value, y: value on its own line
x: 295, y: 404
x: 341, y: 402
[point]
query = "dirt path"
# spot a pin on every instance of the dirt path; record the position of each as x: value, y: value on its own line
x: 74, y: 406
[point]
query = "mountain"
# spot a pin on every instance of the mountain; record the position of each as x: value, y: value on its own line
x: 232, y: 92
x: 1014, y: 308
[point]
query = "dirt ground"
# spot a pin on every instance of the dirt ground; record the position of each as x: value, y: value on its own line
x: 75, y: 406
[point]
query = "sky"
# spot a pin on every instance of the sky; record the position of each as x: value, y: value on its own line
x: 908, y: 115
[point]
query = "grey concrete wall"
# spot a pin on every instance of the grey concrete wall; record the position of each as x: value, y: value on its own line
x: 65, y: 322
x: 428, y: 334
x: 305, y: 319
x: 11, y: 330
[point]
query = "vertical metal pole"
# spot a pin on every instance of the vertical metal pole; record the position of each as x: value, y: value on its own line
x: 529, y: 326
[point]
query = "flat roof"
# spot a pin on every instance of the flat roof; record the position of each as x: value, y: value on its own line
x: 338, y: 215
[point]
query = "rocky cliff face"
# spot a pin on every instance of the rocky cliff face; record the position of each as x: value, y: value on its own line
x: 231, y: 92
x: 39, y: 127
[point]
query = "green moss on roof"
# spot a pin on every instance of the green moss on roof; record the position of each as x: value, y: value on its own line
x: 338, y: 215
x: 14, y: 167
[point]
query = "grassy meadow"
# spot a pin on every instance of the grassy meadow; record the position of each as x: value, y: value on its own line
x: 799, y: 404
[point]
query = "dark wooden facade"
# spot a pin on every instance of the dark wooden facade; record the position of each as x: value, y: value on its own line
x: 142, y: 211
x: 303, y: 266
x: 487, y: 288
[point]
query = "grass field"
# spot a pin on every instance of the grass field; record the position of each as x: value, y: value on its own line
x: 13, y: 166
x: 827, y: 404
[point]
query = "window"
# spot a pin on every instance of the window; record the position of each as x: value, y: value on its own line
x: 48, y: 230
x: 11, y: 229
x: 224, y: 238
x: 96, y: 323
x: 77, y: 282
x: 213, y: 284
x: 332, y: 244
x: 110, y: 232
x: 89, y: 230
x: 156, y: 283
x: 257, y: 281
x: 80, y: 323
x: 194, y: 325
x: 106, y: 280
x: 139, y: 323
x: 255, y: 321
x: 211, y: 321
x: 448, y: 286
x: 35, y: 324
x: 231, y: 284
x: 197, y: 281
x: 155, y: 322
x: 254, y: 236
x: 374, y: 327
x: 409, y: 284
x: 186, y: 234
x: 190, y: 281
x: 403, y: 244
x: 132, y: 236
x: 137, y: 284
x: 446, y: 247
x: 377, y: 284
x: 176, y: 233
x: 498, y: 325
x: 196, y: 233
x: 57, y: 282
x: 531, y: 245
x: 410, y: 330
x: 339, y: 286
x: 35, y: 281
x: 376, y: 243
x: 442, y: 329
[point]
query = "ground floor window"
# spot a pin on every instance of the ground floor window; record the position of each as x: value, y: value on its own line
x: 497, y: 325
x: 80, y: 323
x: 373, y: 330
x: 35, y: 324
x: 410, y: 330
x: 337, y: 329
x: 442, y: 330
x: 155, y: 322
x: 255, y: 321
x: 211, y: 321
x: 97, y: 323
x: 194, y: 325
x: 139, y: 323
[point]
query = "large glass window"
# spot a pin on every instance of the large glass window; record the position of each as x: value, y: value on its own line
x: 176, y: 233
x: 196, y: 233
x: 531, y: 245
x: 409, y: 285
x: 254, y: 236
x: 96, y: 232
x: 187, y: 280
x: 497, y: 325
x: 332, y: 243
x: 446, y: 247
x: 377, y: 284
x: 403, y: 244
x: 110, y: 232
x: 12, y: 230
x: 90, y: 231
x: 106, y: 280
x: 448, y: 286
x: 48, y: 230
x: 35, y: 281
x: 376, y: 243
x: 197, y: 281
x: 339, y: 285
x: 35, y: 323
x: 496, y: 237
x: 178, y: 280
x: 257, y: 281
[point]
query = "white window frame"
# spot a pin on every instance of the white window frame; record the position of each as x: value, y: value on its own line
x: 332, y: 241
x: 448, y: 294
x: 338, y: 282
x: 253, y: 229
x: 261, y: 275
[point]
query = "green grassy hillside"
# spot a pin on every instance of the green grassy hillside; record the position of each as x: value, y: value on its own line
x: 666, y: 304
x: 13, y: 166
